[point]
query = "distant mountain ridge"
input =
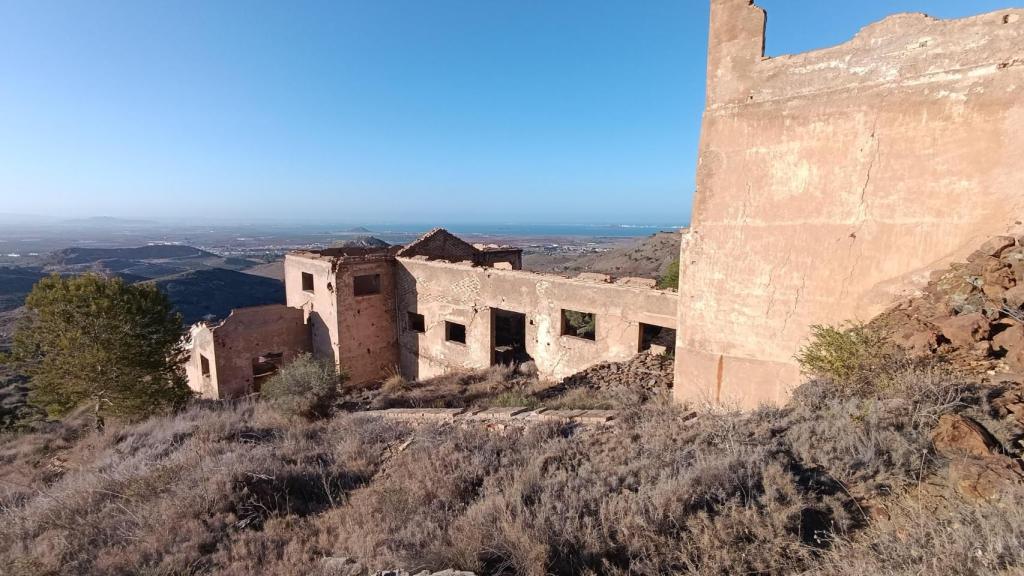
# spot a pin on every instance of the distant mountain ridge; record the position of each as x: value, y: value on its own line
x: 79, y: 255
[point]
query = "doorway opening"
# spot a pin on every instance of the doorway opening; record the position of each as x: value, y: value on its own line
x: 508, y: 337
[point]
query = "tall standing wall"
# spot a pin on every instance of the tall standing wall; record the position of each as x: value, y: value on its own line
x: 831, y: 182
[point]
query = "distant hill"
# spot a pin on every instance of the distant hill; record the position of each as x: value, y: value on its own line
x: 78, y: 255
x: 361, y: 242
x: 647, y: 258
x: 358, y: 230
x: 15, y: 284
x: 214, y: 293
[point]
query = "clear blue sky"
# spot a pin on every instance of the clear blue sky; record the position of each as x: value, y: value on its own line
x: 372, y: 111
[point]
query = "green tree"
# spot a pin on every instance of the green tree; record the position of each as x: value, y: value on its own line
x: 115, y: 346
x: 671, y: 277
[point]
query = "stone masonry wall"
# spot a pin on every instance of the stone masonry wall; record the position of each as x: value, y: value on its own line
x: 366, y: 324
x: 443, y: 291
x: 243, y: 336
x: 831, y: 182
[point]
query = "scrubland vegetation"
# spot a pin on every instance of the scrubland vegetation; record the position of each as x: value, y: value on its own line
x: 834, y: 483
x: 846, y: 479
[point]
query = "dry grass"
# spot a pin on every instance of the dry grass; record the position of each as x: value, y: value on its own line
x: 240, y: 489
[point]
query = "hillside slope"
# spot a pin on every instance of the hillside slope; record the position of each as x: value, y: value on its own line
x: 78, y: 255
x: 201, y: 294
x: 646, y: 258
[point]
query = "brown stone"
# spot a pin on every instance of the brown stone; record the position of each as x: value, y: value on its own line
x: 995, y: 246
x: 984, y: 479
x: 1010, y: 337
x: 1014, y: 297
x: 964, y: 330
x: 918, y: 343
x: 998, y: 277
x: 957, y: 436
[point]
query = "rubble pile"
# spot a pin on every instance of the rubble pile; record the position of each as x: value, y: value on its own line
x: 971, y: 313
x: 647, y: 374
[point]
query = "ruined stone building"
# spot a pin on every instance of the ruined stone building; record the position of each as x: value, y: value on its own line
x: 436, y: 305
x: 832, y: 182
x: 829, y: 184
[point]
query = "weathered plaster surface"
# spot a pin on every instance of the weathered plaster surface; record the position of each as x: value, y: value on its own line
x: 833, y: 181
x: 443, y: 291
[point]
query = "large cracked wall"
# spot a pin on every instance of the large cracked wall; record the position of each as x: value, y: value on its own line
x: 832, y: 182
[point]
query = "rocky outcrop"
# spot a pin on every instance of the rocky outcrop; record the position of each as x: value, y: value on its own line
x: 972, y: 312
x: 958, y: 436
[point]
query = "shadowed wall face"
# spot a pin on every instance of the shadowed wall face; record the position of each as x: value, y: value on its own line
x: 832, y: 182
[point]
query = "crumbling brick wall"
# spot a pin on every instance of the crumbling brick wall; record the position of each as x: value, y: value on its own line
x: 231, y: 347
x: 439, y: 244
x: 833, y: 181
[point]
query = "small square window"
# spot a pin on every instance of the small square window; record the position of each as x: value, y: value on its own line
x: 416, y: 323
x: 579, y: 324
x: 366, y: 285
x: 307, y: 282
x: 204, y: 365
x: 454, y: 332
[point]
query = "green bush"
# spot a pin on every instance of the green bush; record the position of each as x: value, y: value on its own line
x: 307, y: 387
x: 856, y: 358
x: 671, y: 277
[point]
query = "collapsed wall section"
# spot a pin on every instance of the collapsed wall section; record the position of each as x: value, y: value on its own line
x: 831, y: 182
x: 229, y: 359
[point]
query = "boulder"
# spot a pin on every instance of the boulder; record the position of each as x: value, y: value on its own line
x: 958, y: 436
x: 964, y: 330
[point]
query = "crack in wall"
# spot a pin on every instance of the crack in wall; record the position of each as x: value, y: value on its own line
x: 863, y: 207
x: 796, y: 302
x: 771, y: 284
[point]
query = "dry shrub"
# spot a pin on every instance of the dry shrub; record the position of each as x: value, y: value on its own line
x: 855, y: 357
x: 496, y: 386
x: 934, y: 534
x: 190, y: 493
x: 306, y: 387
x: 238, y: 488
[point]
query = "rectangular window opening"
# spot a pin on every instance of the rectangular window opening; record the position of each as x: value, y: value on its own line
x: 416, y: 323
x: 662, y: 340
x: 454, y: 332
x: 307, y: 282
x: 204, y: 364
x: 366, y: 285
x: 579, y: 324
